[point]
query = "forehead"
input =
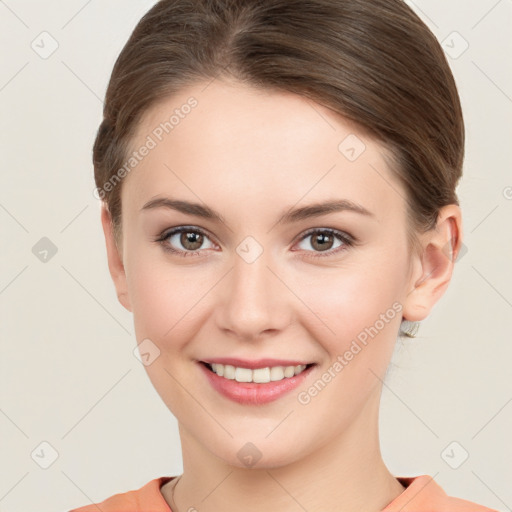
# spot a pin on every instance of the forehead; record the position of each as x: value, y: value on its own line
x: 224, y: 139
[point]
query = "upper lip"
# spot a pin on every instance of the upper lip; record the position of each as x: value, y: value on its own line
x: 253, y: 364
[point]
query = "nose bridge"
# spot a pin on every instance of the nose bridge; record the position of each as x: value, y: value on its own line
x: 254, y: 300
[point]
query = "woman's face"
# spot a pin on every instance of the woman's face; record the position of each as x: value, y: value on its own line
x: 258, y: 284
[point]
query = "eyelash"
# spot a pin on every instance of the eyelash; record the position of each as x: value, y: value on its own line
x: 348, y: 240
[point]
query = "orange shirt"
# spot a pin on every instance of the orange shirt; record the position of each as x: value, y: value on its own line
x: 422, y: 494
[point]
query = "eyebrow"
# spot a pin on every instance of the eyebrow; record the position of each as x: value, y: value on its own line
x: 290, y: 216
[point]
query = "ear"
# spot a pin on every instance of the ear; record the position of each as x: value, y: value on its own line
x: 115, y: 262
x: 432, y: 269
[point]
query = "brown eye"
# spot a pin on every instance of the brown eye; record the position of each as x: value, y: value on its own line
x: 323, y: 240
x: 184, y: 241
x: 191, y: 240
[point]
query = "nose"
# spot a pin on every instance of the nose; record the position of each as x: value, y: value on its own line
x: 254, y: 302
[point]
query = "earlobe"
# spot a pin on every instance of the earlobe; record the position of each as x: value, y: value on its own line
x: 433, y: 269
x: 115, y: 262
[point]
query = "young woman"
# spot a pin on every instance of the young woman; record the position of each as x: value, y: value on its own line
x: 278, y: 184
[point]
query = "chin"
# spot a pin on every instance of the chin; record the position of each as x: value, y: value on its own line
x: 257, y: 454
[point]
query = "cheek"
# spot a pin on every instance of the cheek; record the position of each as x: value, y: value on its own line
x: 152, y: 302
x: 170, y: 300
x: 349, y: 300
x: 360, y: 316
x: 166, y: 299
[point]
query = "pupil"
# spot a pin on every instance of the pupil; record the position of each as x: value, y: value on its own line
x: 322, y: 240
x: 191, y: 238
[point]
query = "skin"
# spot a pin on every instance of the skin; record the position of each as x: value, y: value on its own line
x: 252, y: 155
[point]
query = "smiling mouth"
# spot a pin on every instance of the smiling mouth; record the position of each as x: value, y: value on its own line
x: 258, y: 375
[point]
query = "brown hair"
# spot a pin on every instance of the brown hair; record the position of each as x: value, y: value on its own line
x: 375, y: 63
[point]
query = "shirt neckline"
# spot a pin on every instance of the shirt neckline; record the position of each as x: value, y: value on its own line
x: 413, y: 486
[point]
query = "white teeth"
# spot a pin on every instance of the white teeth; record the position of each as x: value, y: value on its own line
x: 243, y: 375
x: 229, y: 371
x: 289, y: 371
x: 259, y: 375
x: 276, y: 373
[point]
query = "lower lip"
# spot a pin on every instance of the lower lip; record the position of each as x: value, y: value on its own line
x: 251, y: 393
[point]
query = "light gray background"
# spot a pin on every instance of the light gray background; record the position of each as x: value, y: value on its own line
x: 68, y: 375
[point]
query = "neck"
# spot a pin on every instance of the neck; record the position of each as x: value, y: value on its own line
x: 345, y: 473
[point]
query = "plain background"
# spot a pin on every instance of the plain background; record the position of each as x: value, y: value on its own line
x: 68, y: 375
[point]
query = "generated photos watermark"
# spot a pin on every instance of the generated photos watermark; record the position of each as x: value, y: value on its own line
x: 342, y: 360
x: 151, y: 142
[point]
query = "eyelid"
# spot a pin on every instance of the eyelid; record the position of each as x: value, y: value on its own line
x: 164, y: 235
x: 185, y: 227
x: 346, y: 238
x: 341, y: 234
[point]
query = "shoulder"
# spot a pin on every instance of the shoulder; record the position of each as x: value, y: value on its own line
x: 423, y: 494
x: 147, y: 498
